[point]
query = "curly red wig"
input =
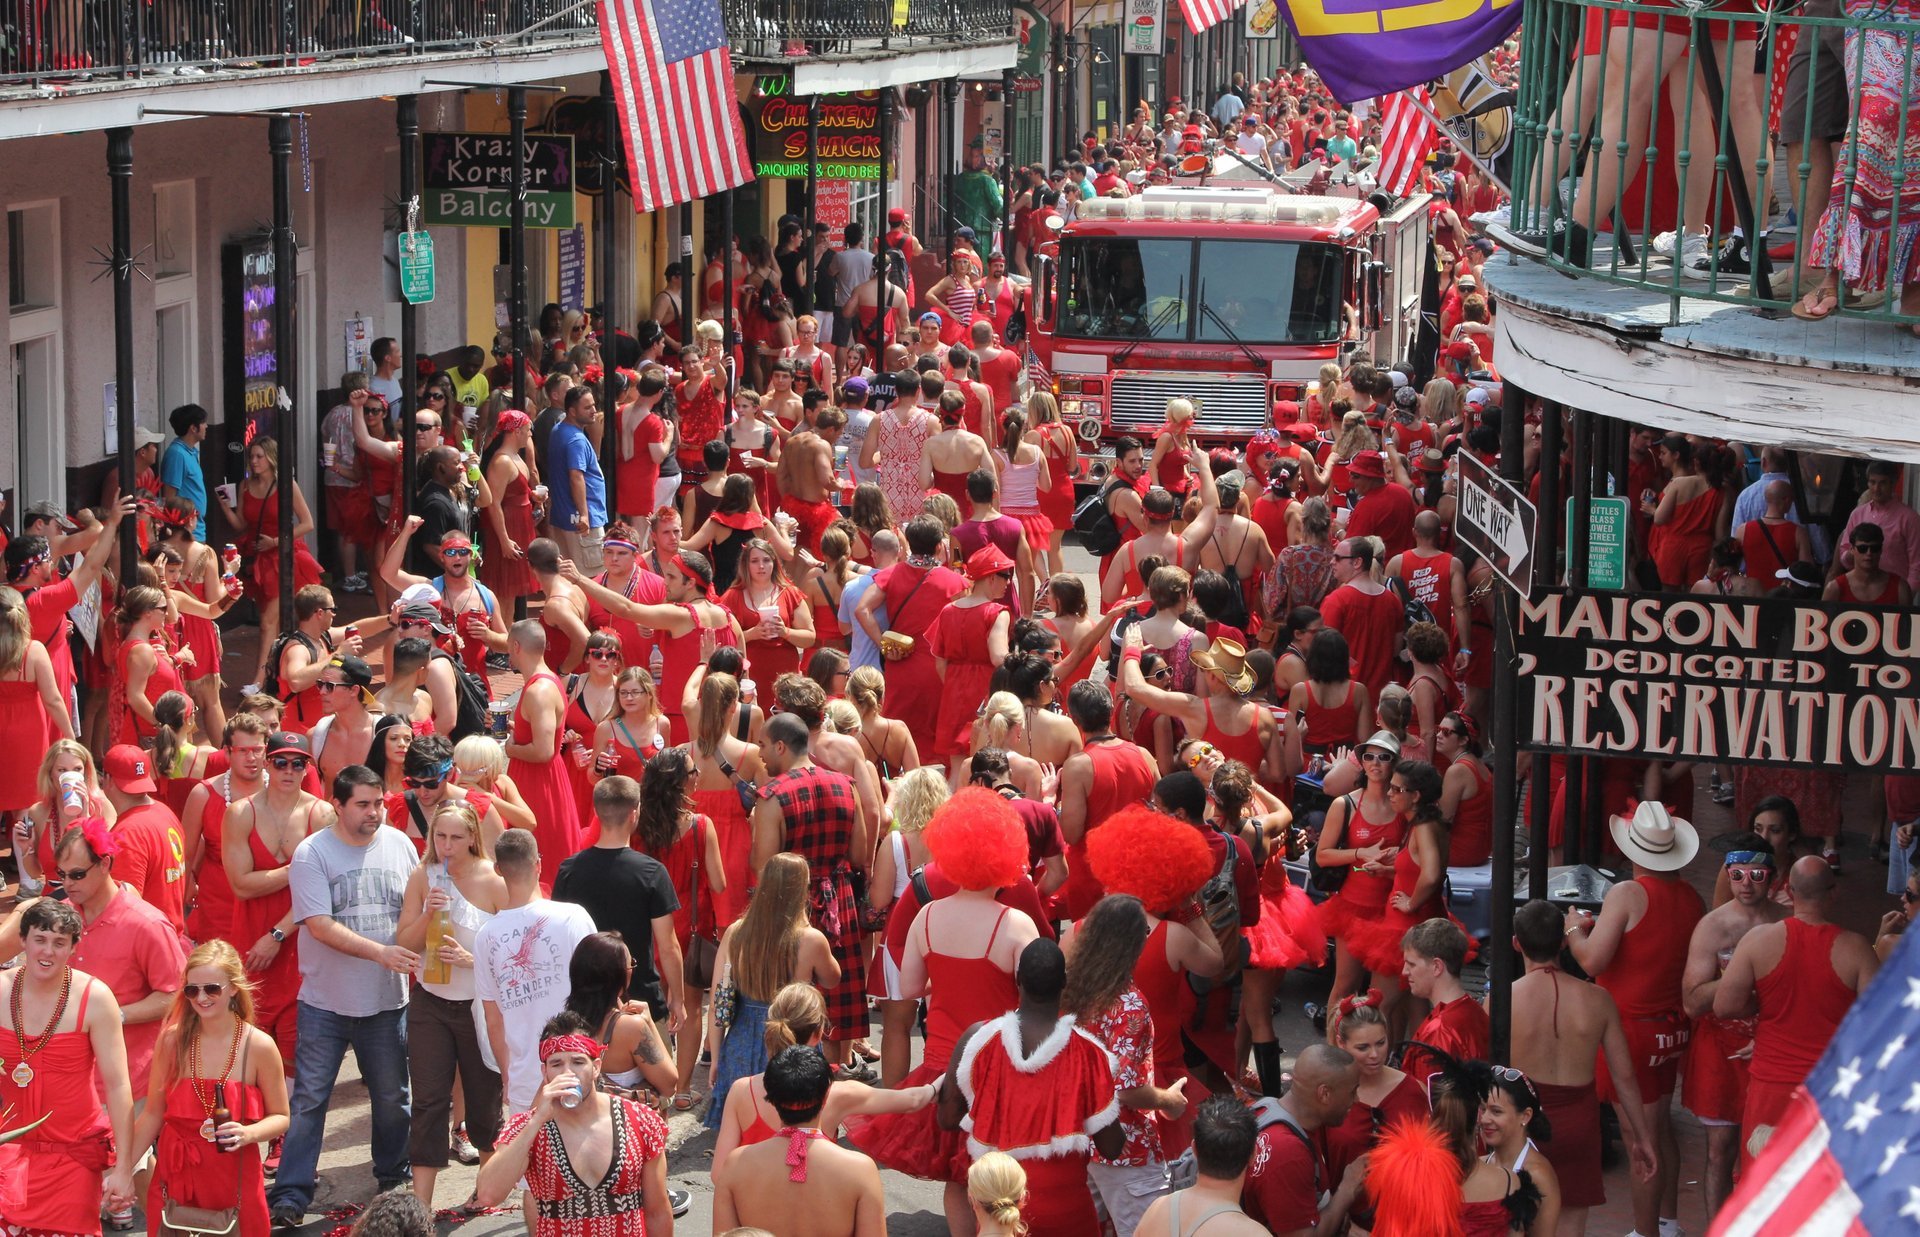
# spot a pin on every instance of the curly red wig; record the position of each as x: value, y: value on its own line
x: 977, y: 839
x: 1150, y: 855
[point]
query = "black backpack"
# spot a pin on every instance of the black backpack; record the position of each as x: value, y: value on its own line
x: 470, y: 695
x: 1099, y: 534
x: 1219, y: 902
x: 270, y: 681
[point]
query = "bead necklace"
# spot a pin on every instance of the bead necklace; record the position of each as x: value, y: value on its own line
x: 23, y: 1072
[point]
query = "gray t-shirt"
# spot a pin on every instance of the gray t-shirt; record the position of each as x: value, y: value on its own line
x: 360, y: 888
x: 851, y: 268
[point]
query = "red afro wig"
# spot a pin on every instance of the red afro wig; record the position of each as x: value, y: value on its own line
x: 977, y: 839
x: 1150, y: 855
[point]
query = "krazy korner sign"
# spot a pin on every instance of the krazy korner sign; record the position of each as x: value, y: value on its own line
x: 1804, y: 684
x: 467, y: 179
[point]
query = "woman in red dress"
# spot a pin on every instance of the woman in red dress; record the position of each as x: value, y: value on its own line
x: 634, y: 732
x: 543, y: 781
x: 825, y: 583
x: 257, y: 870
x: 1329, y: 709
x: 687, y: 843
x: 1686, y: 520
x: 1466, y: 794
x: 961, y: 953
x: 1359, y: 1025
x: 1057, y: 442
x: 259, y: 516
x: 591, y: 699
x: 1173, y: 449
x: 968, y: 640
x: 723, y: 761
x: 147, y: 668
x: 196, y: 578
x: 210, y: 1059
x: 31, y: 711
x: 508, y: 527
x: 1362, y: 833
x: 773, y: 614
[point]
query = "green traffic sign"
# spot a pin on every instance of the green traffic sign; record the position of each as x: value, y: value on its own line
x: 490, y: 208
x: 1609, y: 528
x: 416, y: 267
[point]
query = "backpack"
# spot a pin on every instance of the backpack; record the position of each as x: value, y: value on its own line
x: 270, y: 681
x: 1099, y: 535
x: 470, y: 694
x: 1417, y: 611
x: 1220, y: 910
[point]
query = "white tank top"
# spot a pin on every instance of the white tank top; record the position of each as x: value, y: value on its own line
x: 1019, y: 486
x: 464, y: 919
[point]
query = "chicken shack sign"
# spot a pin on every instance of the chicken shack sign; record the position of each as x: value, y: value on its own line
x: 1722, y: 679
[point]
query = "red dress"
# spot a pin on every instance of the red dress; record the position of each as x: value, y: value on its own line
x: 262, y: 519
x: 127, y: 726
x: 1172, y: 1004
x: 1801, y: 1004
x: 1289, y: 931
x: 565, y: 1203
x: 1375, y: 940
x: 1682, y: 546
x: 202, y: 636
x: 953, y: 485
x: 1363, y: 897
x: 683, y: 860
x: 213, y: 903
x: 191, y: 1171
x: 821, y: 812
x: 1470, y: 842
x: 507, y: 576
x: 961, y: 992
x: 276, y: 989
x: 1244, y: 747
x: 547, y: 790
x: 915, y: 597
x: 1329, y: 725
x: 1057, y: 500
x: 1123, y: 773
x: 959, y: 636
x: 730, y: 820
x: 50, y: 1179
x: 678, y: 657
x: 579, y: 776
x: 767, y: 659
x: 24, y: 728
x: 1346, y: 1142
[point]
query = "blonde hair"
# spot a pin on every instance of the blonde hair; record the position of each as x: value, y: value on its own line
x: 1355, y: 437
x: 917, y: 795
x: 796, y: 1014
x: 867, y: 688
x: 479, y: 751
x: 46, y: 783
x: 181, y: 1016
x: 16, y: 630
x: 1043, y: 408
x: 644, y: 677
x: 768, y: 939
x: 476, y: 840
x: 1329, y: 382
x: 1179, y: 410
x: 1441, y: 400
x: 718, y: 694
x: 843, y: 717
x: 707, y: 331
x: 998, y: 1185
x: 942, y: 508
x: 1394, y: 708
x: 1000, y: 717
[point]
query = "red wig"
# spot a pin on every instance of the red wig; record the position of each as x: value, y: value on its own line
x: 1150, y: 855
x: 1414, y: 1180
x: 977, y: 839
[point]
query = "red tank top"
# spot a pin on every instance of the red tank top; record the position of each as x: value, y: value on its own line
x: 1644, y: 976
x: 1123, y: 773
x: 1472, y: 835
x: 1801, y: 1004
x: 1245, y: 748
x: 1429, y: 579
x: 1889, y: 596
x: 964, y: 991
x: 1330, y: 725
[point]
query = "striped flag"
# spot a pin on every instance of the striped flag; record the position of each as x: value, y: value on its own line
x: 1203, y: 14
x: 1406, y: 138
x: 1845, y: 1159
x: 1037, y: 372
x: 673, y: 83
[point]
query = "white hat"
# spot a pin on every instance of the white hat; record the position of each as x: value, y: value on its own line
x: 144, y: 437
x: 1654, y: 838
x: 1478, y: 397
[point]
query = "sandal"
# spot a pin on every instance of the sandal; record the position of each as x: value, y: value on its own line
x: 1817, y: 305
x: 683, y: 1101
x: 866, y: 1050
x: 471, y: 1209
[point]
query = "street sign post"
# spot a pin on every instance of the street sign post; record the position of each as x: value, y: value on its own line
x: 1496, y: 520
x: 1609, y: 522
x: 416, y: 267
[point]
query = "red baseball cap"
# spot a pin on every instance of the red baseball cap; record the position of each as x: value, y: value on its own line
x: 897, y: 214
x: 1369, y: 464
x: 131, y: 769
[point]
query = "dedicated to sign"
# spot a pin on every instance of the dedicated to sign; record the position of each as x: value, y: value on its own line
x: 1722, y: 679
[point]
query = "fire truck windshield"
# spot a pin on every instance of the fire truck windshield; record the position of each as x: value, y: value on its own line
x: 1149, y: 288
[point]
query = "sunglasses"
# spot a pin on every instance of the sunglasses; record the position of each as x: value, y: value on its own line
x: 327, y: 685
x: 604, y: 654
x: 194, y: 992
x: 423, y: 783
x: 414, y: 624
x: 436, y: 395
x: 1344, y: 558
x: 1399, y: 790
x: 1909, y: 896
x: 1161, y: 673
x: 1458, y: 734
x: 77, y: 874
x: 1198, y: 754
x: 1373, y: 758
x: 457, y: 552
x: 290, y: 764
x: 1867, y: 547
x: 328, y: 608
x: 425, y: 427
x: 1758, y: 876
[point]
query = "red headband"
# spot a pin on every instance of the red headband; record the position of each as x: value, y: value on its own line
x: 706, y: 583
x: 585, y: 1045
x: 1359, y: 1000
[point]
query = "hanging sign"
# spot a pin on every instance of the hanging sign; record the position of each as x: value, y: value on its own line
x: 416, y: 267
x: 573, y: 268
x: 1143, y: 31
x: 467, y: 179
x: 849, y: 146
x: 1803, y: 684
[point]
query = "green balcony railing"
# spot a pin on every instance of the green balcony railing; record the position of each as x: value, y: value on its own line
x: 1639, y: 126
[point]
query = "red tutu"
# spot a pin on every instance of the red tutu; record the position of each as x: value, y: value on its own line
x: 1290, y: 932
x: 1038, y: 527
x: 1376, y: 942
x: 1359, y: 902
x: 912, y: 1142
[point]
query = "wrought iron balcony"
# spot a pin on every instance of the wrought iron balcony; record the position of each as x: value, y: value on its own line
x: 776, y: 30
x: 1609, y: 145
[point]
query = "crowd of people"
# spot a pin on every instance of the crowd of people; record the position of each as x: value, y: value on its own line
x: 691, y: 727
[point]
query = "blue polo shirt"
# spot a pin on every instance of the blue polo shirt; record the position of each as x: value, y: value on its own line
x: 180, y: 468
x: 570, y: 450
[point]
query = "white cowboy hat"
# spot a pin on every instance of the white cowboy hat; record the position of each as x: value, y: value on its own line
x: 1654, y: 838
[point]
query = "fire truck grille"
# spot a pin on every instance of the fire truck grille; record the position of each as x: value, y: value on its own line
x: 1232, y: 404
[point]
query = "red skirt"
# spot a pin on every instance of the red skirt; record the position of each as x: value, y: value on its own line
x: 912, y: 1142
x: 1290, y: 932
x: 266, y: 574
x: 1037, y: 526
x: 735, y: 833
x: 1376, y: 941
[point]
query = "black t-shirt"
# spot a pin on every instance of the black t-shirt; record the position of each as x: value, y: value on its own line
x: 790, y: 263
x: 440, y: 514
x: 624, y: 891
x: 883, y: 389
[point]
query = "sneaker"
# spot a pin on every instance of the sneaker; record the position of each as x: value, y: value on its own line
x: 1722, y: 793
x: 680, y: 1200
x: 1691, y: 246
x: 286, y: 1215
x: 1731, y: 259
x: 462, y: 1148
x: 119, y: 1222
x: 1572, y: 244
x: 499, y: 662
x: 356, y: 583
x: 1501, y: 216
x: 270, y: 1163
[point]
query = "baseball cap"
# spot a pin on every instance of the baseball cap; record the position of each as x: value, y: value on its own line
x: 131, y: 769
x: 1478, y: 397
x: 356, y: 670
x: 287, y: 743
x: 144, y: 437
x: 930, y: 316
x: 855, y: 386
x: 425, y: 611
x: 897, y: 214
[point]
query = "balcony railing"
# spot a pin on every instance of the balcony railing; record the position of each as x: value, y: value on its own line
x: 796, y: 29
x: 57, y: 43
x: 1607, y: 141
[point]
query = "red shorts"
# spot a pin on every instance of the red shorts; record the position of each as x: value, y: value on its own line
x: 1714, y: 1087
x: 1766, y: 1107
x: 1573, y: 1148
x: 1656, y: 1045
x: 815, y: 519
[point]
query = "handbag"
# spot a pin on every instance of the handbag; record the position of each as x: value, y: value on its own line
x: 181, y: 1221
x: 1329, y: 880
x: 702, y: 951
x: 745, y: 787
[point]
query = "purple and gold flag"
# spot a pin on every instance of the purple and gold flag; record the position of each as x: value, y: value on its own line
x: 1364, y: 48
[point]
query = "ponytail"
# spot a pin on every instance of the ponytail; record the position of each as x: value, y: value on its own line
x: 796, y: 1014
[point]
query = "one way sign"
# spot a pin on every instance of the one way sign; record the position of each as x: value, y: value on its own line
x: 1496, y: 520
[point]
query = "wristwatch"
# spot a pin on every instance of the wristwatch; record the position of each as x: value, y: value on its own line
x: 277, y: 935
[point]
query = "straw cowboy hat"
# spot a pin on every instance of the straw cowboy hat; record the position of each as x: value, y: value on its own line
x: 1227, y: 659
x: 1655, y: 838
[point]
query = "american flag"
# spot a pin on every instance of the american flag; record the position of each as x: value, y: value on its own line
x: 1204, y: 14
x: 1037, y: 372
x: 1846, y: 1158
x: 1406, y: 138
x: 673, y: 82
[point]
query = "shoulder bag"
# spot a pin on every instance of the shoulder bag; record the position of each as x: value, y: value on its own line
x: 702, y: 951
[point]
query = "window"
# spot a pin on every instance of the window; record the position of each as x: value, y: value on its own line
x: 33, y: 258
x: 173, y: 232
x: 176, y: 359
x: 1212, y: 291
x: 1126, y: 289
x: 34, y: 329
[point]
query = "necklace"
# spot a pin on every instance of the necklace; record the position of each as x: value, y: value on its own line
x: 23, y: 1073
x: 210, y: 1103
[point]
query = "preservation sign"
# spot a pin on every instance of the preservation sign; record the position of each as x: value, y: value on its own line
x: 1497, y: 520
x: 1804, y: 684
x: 1609, y: 522
x: 467, y: 179
x: 849, y: 146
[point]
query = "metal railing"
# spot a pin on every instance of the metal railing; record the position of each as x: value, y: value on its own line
x: 62, y: 42
x: 1760, y: 108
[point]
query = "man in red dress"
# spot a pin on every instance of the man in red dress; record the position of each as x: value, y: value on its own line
x: 1368, y: 614
x: 1384, y: 510
x: 1107, y: 774
x: 1457, y: 1024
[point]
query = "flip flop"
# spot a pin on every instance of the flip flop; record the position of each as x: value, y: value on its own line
x: 1802, y: 308
x: 683, y: 1101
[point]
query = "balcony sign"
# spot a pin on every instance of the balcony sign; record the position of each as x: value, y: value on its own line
x: 467, y: 179
x: 849, y: 137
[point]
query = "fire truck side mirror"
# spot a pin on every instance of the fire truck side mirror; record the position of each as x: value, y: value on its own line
x: 1043, y: 287
x: 1376, y: 292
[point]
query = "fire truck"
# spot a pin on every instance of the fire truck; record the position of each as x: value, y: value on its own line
x: 1226, y: 291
